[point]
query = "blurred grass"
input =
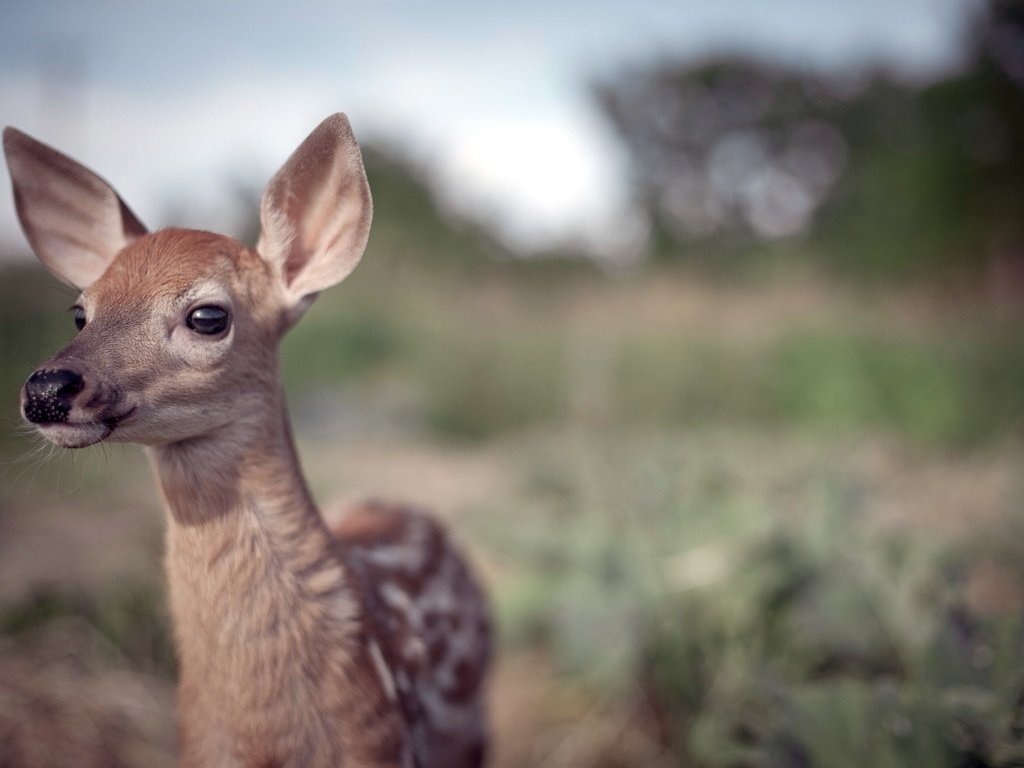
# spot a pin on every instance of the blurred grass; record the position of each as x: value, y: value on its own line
x: 33, y: 323
x: 479, y: 370
x: 776, y: 522
x: 476, y: 373
x: 720, y: 620
x: 760, y: 635
x: 126, y: 626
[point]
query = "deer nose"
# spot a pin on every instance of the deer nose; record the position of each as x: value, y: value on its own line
x: 49, y: 393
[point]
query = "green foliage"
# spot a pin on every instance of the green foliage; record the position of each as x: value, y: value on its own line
x: 411, y: 225
x: 688, y: 381
x: 852, y: 657
x: 842, y: 381
x: 481, y: 387
x: 886, y: 178
x: 340, y: 341
x: 713, y: 142
x: 935, y: 178
x: 471, y: 372
x: 33, y: 323
x: 475, y: 376
x: 766, y: 629
x: 949, y: 391
x: 124, y: 626
x: 955, y: 391
x: 761, y: 638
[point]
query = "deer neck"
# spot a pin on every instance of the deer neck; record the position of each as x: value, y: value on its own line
x: 239, y: 507
x: 262, y: 607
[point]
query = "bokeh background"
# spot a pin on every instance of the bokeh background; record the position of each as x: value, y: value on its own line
x: 701, y: 323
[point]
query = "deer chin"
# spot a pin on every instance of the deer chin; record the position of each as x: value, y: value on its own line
x: 81, y: 434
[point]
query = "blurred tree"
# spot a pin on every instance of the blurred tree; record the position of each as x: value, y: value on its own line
x: 728, y: 149
x: 412, y: 225
x: 936, y: 174
x: 884, y: 177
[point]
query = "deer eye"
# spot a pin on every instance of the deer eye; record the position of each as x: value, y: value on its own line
x: 79, y: 315
x: 208, y: 320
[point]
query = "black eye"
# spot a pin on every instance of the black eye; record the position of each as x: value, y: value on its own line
x: 208, y: 321
x: 79, y: 317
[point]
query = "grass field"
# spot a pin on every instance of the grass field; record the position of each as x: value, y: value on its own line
x: 775, y: 523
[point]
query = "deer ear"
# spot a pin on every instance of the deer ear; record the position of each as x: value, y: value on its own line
x: 316, y: 211
x: 73, y: 219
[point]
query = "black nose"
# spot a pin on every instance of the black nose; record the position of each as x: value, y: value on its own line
x: 49, y: 393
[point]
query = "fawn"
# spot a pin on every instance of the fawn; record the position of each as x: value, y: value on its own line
x: 362, y: 644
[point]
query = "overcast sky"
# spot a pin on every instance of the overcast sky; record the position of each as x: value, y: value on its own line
x: 176, y: 101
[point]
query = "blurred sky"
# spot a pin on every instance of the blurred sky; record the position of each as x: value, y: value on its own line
x: 175, y: 102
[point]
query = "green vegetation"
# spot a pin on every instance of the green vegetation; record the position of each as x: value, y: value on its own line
x: 891, y: 179
x: 763, y: 636
x: 762, y: 624
x: 752, y: 513
x: 474, y: 374
x: 126, y: 626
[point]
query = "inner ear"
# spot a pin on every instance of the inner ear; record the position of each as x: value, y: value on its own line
x: 74, y: 220
x: 316, y: 212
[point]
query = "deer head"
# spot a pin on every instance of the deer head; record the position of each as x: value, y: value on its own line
x: 178, y: 329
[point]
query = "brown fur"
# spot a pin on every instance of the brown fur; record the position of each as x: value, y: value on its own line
x: 299, y: 646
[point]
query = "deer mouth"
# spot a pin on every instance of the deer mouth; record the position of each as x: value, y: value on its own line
x: 81, y: 434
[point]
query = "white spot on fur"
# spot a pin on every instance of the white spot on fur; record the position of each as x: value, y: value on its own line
x: 383, y: 672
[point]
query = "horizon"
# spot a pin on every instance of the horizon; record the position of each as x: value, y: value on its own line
x: 176, y: 106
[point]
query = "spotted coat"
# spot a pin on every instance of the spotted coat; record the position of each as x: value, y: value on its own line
x: 428, y: 628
